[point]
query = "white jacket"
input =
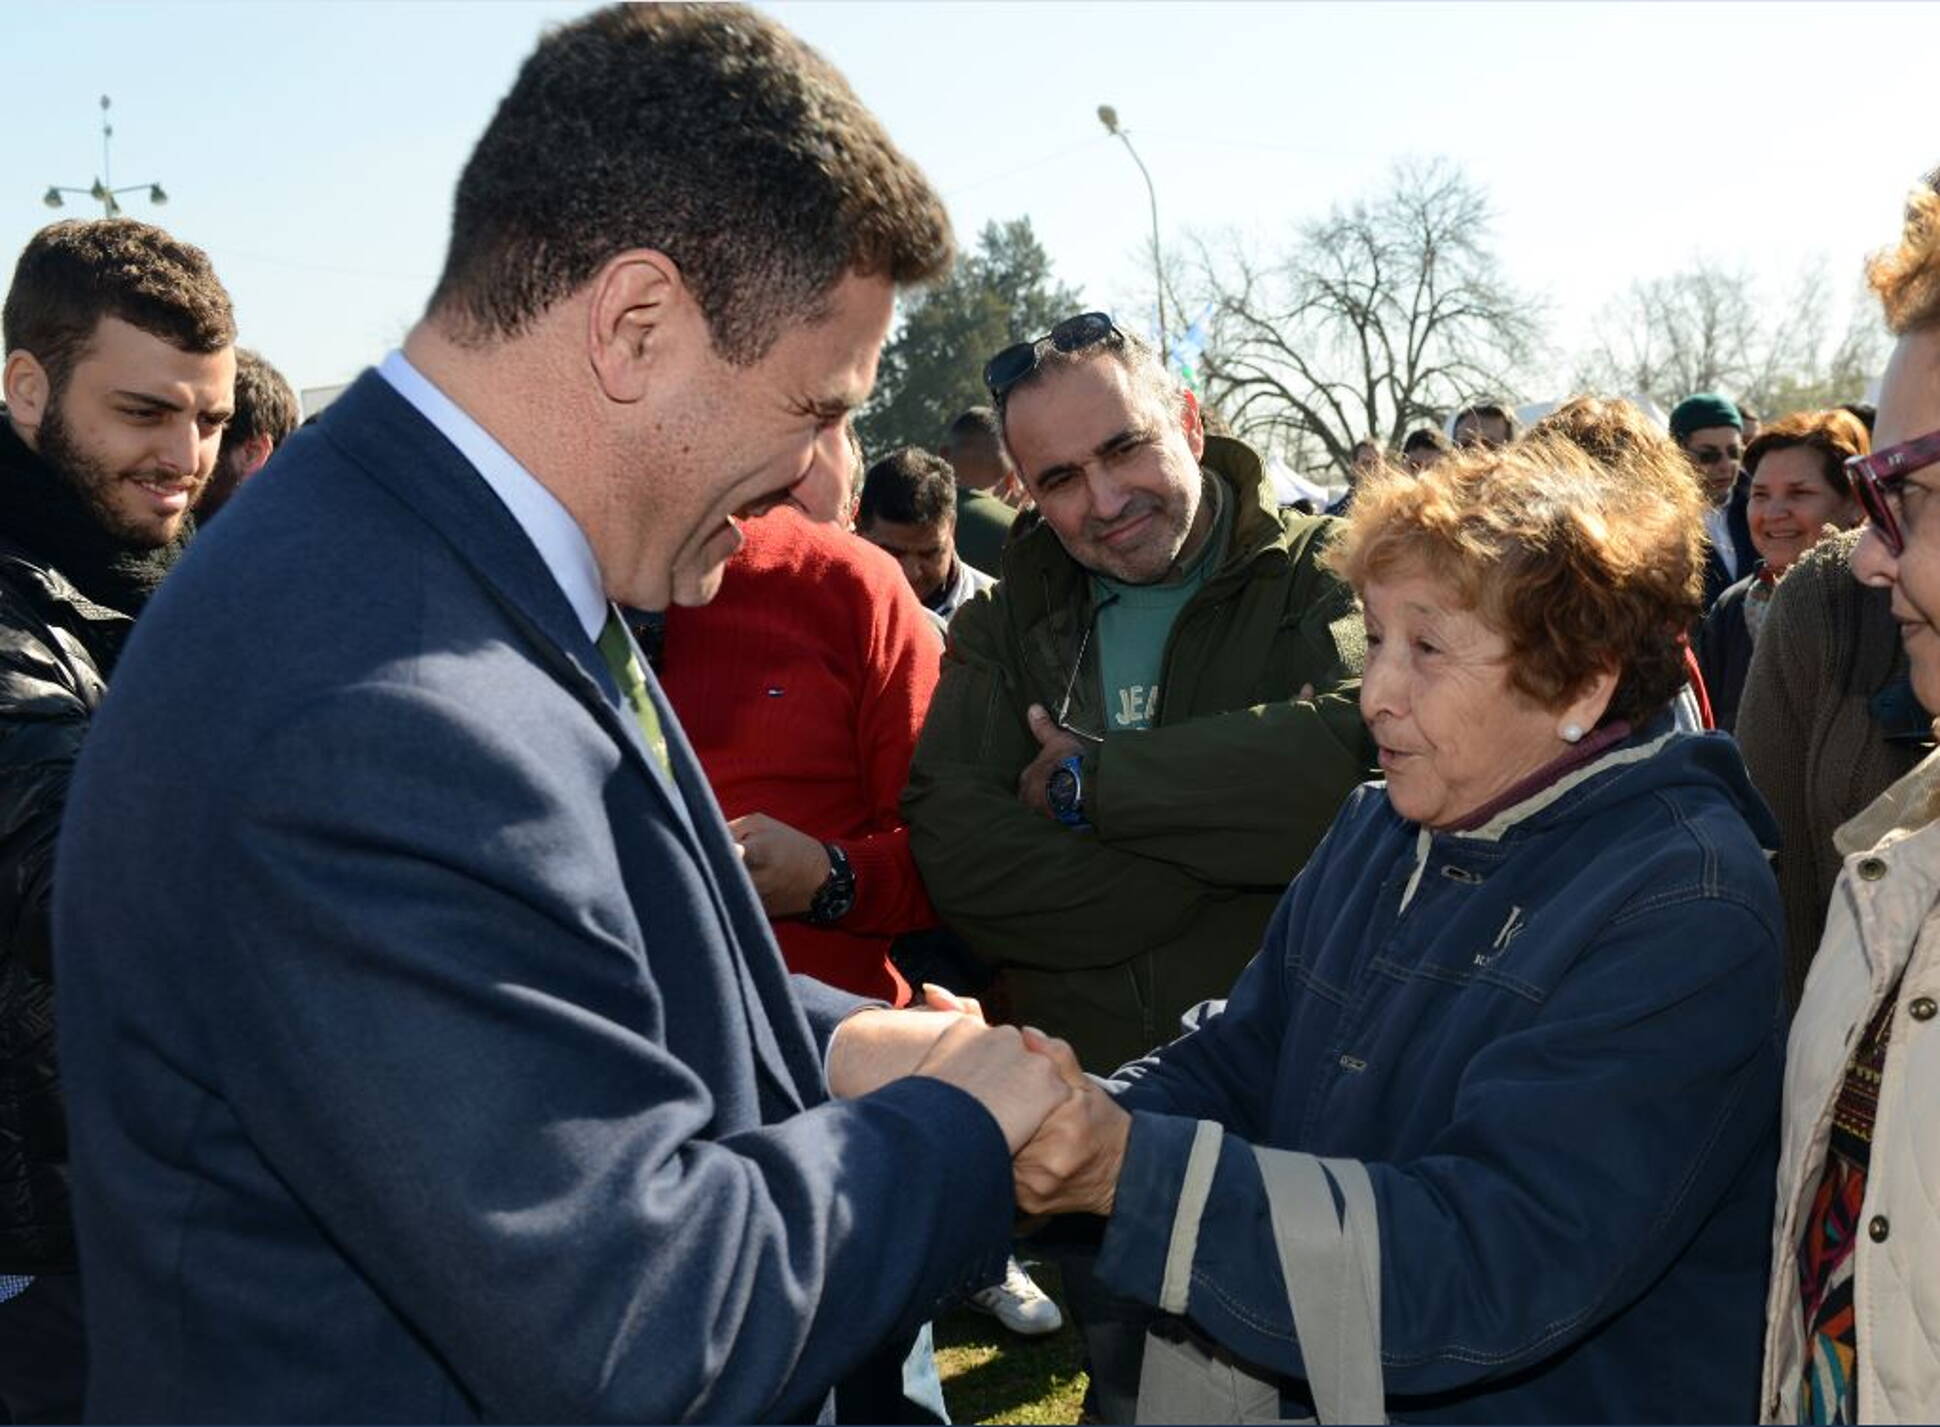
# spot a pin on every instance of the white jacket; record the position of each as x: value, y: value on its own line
x: 1885, y: 916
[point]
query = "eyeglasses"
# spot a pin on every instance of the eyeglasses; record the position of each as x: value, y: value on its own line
x: 1876, y: 481
x: 1063, y: 718
x: 1711, y: 455
x: 1020, y: 359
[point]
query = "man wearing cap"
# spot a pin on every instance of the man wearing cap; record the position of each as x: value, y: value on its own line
x: 1711, y: 432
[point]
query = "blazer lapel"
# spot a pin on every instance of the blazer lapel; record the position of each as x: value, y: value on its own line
x: 401, y: 450
x: 757, y: 957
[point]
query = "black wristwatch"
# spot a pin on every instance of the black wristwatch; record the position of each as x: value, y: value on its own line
x: 1064, y: 791
x: 835, y: 898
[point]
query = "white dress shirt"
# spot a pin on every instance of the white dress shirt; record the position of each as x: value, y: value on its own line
x: 546, y: 523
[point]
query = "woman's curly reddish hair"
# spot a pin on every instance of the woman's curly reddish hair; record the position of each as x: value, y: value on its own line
x: 1582, y: 565
x: 1907, y: 278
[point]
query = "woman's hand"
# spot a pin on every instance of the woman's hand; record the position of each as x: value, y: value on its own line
x: 1070, y: 1166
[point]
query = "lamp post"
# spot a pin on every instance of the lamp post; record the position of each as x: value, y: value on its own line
x: 103, y: 190
x: 1108, y: 116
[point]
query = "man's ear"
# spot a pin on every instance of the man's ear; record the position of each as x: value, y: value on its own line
x: 638, y: 312
x: 1193, y: 423
x: 26, y: 388
x: 255, y: 453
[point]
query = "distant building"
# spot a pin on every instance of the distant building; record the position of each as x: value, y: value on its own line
x: 316, y: 398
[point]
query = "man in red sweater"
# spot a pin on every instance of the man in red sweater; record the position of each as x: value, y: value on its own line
x: 803, y: 687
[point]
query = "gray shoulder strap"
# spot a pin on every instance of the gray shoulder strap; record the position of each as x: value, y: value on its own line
x: 1202, y: 1162
x: 1332, y: 1266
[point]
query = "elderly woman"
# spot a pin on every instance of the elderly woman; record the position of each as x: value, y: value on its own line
x: 1798, y: 488
x: 1486, y: 1131
x: 1854, y: 1331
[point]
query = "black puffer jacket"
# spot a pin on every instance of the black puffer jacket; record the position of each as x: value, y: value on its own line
x: 55, y: 648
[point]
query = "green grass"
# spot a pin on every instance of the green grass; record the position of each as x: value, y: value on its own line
x: 992, y: 1375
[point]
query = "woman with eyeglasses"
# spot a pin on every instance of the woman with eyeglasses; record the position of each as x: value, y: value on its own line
x: 1853, y: 1323
x: 1798, y: 487
x: 1486, y: 1131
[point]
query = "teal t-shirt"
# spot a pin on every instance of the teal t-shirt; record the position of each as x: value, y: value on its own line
x: 1134, y: 621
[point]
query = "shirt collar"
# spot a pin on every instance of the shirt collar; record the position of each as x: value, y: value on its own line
x: 1905, y: 807
x: 546, y: 523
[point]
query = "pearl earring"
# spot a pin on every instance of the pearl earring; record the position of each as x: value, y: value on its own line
x: 1572, y: 732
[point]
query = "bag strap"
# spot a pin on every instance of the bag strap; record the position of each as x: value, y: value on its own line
x: 1331, y: 1263
x: 1202, y: 1162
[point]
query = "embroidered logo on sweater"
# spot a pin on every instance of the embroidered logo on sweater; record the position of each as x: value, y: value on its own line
x: 1511, y: 929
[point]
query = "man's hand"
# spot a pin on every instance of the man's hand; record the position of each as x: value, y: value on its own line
x: 1054, y: 746
x: 877, y: 1045
x: 1071, y: 1165
x: 1020, y: 1087
x: 786, y: 865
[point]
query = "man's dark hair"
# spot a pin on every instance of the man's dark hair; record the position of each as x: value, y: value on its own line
x: 74, y: 273
x: 1864, y: 412
x: 708, y: 133
x: 1425, y: 438
x: 1488, y: 411
x: 909, y: 486
x: 265, y: 404
x: 979, y: 423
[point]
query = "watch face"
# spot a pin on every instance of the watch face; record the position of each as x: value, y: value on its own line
x: 1061, y: 790
x: 835, y: 897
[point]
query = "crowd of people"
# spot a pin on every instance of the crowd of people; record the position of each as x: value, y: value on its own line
x: 588, y: 896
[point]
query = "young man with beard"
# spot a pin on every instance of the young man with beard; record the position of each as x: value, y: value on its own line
x: 118, y: 377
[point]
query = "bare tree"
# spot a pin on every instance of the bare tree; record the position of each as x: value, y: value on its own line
x: 1386, y: 314
x: 1710, y: 329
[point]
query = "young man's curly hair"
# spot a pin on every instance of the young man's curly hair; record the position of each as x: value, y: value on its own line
x: 704, y: 132
x: 74, y: 273
x: 1582, y: 563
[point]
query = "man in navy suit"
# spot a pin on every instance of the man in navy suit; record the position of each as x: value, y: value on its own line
x: 429, y: 1055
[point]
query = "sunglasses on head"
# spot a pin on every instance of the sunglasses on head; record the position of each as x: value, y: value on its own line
x: 1711, y: 455
x: 1876, y: 481
x: 1020, y: 359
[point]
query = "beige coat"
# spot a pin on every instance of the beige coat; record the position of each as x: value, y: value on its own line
x: 1885, y: 916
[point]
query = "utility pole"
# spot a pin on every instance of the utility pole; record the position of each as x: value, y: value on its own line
x: 1108, y: 116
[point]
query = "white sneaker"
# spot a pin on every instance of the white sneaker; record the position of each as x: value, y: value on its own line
x: 1019, y: 1304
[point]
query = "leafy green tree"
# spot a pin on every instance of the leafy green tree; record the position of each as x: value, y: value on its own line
x: 932, y: 369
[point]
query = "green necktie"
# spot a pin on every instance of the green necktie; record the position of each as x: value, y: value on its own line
x: 617, y: 649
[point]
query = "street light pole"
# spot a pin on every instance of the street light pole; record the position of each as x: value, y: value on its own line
x: 103, y: 190
x: 1108, y: 116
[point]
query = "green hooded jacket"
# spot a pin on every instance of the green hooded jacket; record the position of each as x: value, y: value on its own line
x: 1106, y: 935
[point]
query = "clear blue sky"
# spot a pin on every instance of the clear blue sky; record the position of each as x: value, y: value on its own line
x: 312, y: 148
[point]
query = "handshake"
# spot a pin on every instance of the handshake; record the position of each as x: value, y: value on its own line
x: 1066, y: 1136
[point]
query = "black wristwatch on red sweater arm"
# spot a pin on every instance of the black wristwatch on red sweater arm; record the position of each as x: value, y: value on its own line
x: 835, y: 898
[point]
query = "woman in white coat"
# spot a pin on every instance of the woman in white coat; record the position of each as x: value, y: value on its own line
x: 1853, y: 1329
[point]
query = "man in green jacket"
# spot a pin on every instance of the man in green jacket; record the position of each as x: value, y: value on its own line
x: 975, y: 451
x: 1145, y: 728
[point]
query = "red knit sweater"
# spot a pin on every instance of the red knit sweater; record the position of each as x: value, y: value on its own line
x: 802, y: 688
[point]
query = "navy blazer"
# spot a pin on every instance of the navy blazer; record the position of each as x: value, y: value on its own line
x: 428, y: 1054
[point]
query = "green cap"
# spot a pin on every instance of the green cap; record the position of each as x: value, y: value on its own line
x: 1707, y: 408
